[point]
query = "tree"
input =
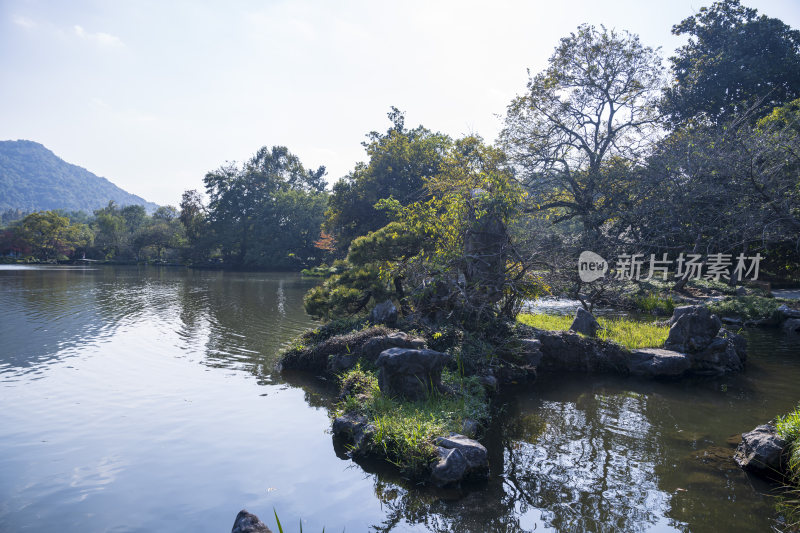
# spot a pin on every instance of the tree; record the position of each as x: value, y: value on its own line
x: 50, y: 235
x: 266, y: 213
x: 399, y: 160
x: 734, y: 61
x: 584, y: 122
x: 447, y: 256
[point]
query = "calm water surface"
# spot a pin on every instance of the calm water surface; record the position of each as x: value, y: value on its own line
x: 144, y: 399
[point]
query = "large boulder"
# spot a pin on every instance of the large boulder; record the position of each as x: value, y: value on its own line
x: 718, y: 357
x: 692, y: 329
x: 249, y: 523
x: 459, y: 458
x: 698, y: 333
x: 409, y: 373
x: 585, y: 323
x: 762, y: 452
x: 384, y: 313
x: 371, y: 348
x: 569, y: 352
x: 657, y: 362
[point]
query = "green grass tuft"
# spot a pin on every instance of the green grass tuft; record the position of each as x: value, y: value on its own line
x: 654, y: 303
x: 630, y: 333
x: 789, y: 429
x: 405, y: 431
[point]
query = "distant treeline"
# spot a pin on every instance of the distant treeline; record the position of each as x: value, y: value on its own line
x: 613, y: 152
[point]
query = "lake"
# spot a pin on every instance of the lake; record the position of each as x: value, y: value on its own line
x: 145, y: 399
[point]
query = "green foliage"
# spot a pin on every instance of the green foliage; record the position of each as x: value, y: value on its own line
x: 789, y: 429
x: 50, y: 236
x: 264, y: 214
x: 399, y: 160
x: 32, y: 178
x: 735, y: 61
x: 747, y: 308
x: 405, y: 431
x: 630, y: 333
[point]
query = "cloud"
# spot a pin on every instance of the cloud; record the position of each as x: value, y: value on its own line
x: 24, y: 22
x: 100, y: 38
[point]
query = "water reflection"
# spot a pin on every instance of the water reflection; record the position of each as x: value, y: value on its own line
x: 238, y: 320
x: 146, y: 390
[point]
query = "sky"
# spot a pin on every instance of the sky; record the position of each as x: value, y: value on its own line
x: 154, y: 94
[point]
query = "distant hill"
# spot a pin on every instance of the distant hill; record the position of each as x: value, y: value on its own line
x: 32, y: 178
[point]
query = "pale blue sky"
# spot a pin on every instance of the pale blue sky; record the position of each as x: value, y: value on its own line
x: 153, y: 94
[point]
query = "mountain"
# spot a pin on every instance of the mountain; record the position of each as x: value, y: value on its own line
x: 32, y: 178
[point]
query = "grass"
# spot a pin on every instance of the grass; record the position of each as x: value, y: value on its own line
x: 405, y: 431
x: 789, y: 429
x: 630, y: 333
x: 747, y: 308
x: 654, y: 303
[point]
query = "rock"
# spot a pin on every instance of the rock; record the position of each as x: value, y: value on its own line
x: 531, y: 351
x: 761, y: 452
x: 585, y: 323
x: 718, y: 357
x: 384, y: 313
x: 371, y: 349
x: 409, y: 373
x: 732, y: 321
x: 249, y: 523
x: 791, y: 325
x: 570, y: 352
x: 693, y: 328
x: 460, y: 458
x: 741, y: 291
x: 355, y: 430
x: 739, y: 343
x: 489, y: 382
x: 470, y: 427
x: 473, y: 451
x: 788, y: 312
x: 450, y: 467
x: 657, y: 362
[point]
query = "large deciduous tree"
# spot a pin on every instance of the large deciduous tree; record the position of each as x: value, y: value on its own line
x: 584, y: 122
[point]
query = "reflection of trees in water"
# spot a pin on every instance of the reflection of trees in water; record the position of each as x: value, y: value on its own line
x: 47, y: 313
x: 592, y: 468
x: 248, y: 319
x: 584, y: 464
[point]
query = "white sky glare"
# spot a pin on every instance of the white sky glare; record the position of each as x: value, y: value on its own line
x: 153, y: 94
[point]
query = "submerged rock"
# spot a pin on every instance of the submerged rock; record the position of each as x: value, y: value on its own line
x: 460, y: 458
x: 384, y: 313
x: 762, y: 452
x: 585, y: 323
x: 411, y: 374
x: 249, y: 523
